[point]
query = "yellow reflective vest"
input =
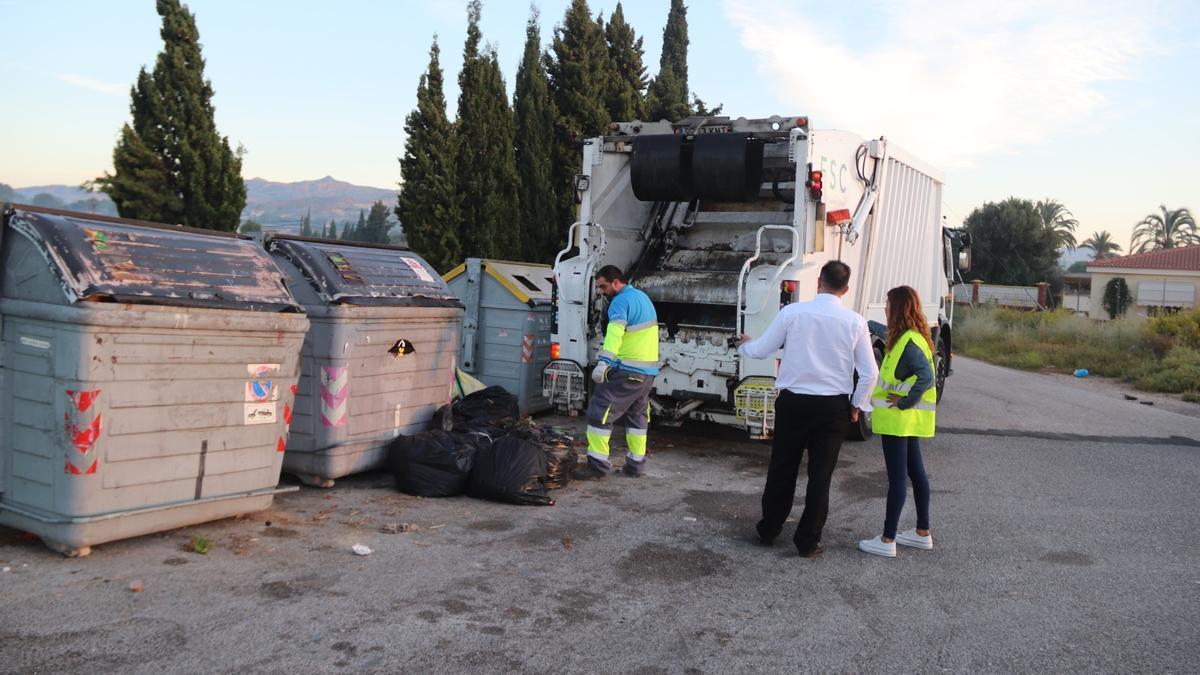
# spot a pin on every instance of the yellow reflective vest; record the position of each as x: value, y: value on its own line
x: 918, y: 420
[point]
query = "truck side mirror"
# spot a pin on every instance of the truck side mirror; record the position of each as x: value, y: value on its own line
x: 964, y: 259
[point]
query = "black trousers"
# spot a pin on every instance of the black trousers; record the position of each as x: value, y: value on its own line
x: 818, y: 423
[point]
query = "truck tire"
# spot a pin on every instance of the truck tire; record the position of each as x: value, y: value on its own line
x: 861, y: 430
x: 941, y: 367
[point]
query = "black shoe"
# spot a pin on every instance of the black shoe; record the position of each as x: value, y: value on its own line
x: 588, y: 471
x: 634, y: 469
x: 811, y: 552
x: 763, y: 539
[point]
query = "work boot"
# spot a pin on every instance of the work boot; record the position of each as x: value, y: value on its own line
x: 634, y: 468
x: 589, y: 471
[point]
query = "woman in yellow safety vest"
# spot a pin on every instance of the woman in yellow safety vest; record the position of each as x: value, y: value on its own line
x: 905, y: 402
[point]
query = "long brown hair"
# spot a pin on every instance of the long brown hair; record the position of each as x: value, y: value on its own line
x: 904, y: 313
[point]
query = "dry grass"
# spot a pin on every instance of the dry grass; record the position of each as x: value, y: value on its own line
x: 1155, y: 355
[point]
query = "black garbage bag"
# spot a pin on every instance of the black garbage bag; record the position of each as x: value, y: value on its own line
x: 485, y: 408
x: 434, y: 463
x: 443, y: 418
x: 556, y: 442
x: 561, y: 460
x: 510, y: 470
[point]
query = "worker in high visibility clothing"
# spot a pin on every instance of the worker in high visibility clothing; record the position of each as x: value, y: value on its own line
x: 624, y: 377
x: 905, y: 402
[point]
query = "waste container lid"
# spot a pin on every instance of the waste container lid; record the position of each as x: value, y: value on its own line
x: 530, y: 283
x: 103, y: 258
x: 364, y: 274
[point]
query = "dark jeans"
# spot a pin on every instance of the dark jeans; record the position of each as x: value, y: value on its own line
x: 903, y: 457
x: 818, y: 423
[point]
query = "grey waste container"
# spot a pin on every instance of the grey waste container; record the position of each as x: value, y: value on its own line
x: 506, y: 329
x: 379, y: 357
x: 146, y: 373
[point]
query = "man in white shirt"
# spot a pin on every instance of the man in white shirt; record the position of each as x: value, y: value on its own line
x: 823, y: 344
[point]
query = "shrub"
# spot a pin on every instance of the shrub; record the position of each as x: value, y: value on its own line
x: 1182, y: 329
x: 1178, y: 372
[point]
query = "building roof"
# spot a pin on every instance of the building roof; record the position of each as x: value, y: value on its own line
x: 1183, y: 258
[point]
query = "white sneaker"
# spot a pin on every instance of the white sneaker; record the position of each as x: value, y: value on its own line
x: 911, y: 538
x: 877, y: 546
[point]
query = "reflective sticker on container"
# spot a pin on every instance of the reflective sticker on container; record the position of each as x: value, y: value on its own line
x: 84, y: 438
x: 73, y: 470
x: 419, y: 270
x: 82, y: 400
x: 527, y: 349
x: 83, y: 430
x: 281, y: 445
x: 34, y: 342
x: 335, y: 388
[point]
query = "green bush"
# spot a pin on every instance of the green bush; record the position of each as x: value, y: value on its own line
x: 1183, y: 328
x: 1177, y: 373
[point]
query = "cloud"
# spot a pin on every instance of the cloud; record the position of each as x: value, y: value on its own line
x: 95, y: 85
x: 952, y: 81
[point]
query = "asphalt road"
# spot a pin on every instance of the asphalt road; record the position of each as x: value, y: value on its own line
x: 1065, y: 521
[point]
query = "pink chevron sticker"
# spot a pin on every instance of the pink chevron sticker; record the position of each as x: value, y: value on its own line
x: 335, y: 391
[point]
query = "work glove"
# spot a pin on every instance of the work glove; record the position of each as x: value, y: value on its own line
x: 600, y: 373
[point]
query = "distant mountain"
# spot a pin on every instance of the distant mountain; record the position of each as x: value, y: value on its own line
x: 1065, y: 257
x: 64, y: 193
x: 70, y: 197
x: 278, y: 206
x: 282, y: 205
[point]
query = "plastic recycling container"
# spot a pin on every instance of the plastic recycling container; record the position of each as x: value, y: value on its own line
x: 506, y: 329
x: 147, y: 374
x: 380, y: 354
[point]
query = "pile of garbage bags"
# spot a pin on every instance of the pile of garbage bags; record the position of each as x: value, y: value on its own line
x: 479, y: 446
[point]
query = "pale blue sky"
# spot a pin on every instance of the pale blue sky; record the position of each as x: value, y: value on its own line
x: 1093, y: 103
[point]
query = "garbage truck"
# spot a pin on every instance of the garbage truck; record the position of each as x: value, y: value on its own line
x: 723, y: 222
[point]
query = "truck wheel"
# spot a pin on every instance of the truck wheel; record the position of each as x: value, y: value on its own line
x: 861, y: 430
x: 941, y: 367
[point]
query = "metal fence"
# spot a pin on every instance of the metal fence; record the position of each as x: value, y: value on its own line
x: 1018, y: 297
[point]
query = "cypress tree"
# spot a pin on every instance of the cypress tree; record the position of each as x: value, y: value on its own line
x: 170, y: 164
x: 577, y: 68
x: 625, y: 96
x: 360, y: 228
x: 375, y: 229
x: 484, y: 158
x: 534, y: 142
x: 306, y: 224
x: 668, y: 94
x: 428, y: 205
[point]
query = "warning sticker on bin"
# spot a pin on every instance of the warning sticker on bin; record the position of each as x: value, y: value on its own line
x: 261, y: 393
x: 419, y: 270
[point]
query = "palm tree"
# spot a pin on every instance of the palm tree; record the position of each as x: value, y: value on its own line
x: 1102, y: 245
x: 1171, y: 229
x: 1057, y: 219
